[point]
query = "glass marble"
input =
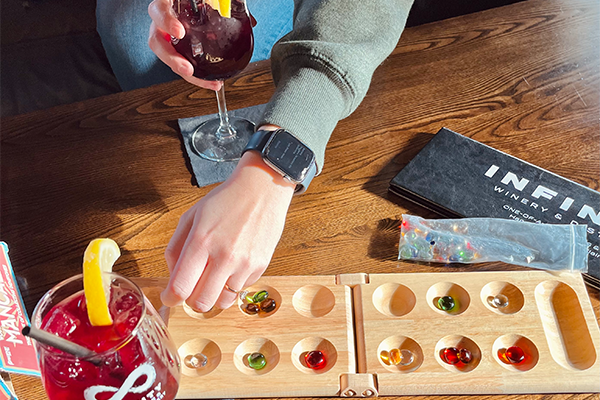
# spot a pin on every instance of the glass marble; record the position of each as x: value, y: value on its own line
x: 195, y: 361
x: 385, y: 357
x: 514, y: 354
x: 465, y: 356
x: 268, y: 305
x: 257, y: 361
x: 446, y: 303
x: 257, y: 297
x: 406, y: 357
x: 395, y: 356
x: 252, y: 308
x: 315, y: 359
x: 408, y: 251
x: 498, y: 301
x: 450, y: 355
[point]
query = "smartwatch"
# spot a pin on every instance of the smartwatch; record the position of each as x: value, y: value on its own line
x: 285, y: 154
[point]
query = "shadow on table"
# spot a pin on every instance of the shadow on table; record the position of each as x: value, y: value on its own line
x: 383, y: 244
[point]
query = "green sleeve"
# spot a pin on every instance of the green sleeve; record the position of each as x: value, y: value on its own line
x: 322, y: 69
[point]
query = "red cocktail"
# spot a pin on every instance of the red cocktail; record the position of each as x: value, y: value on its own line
x: 136, y: 358
x: 218, y: 47
x: 218, y: 42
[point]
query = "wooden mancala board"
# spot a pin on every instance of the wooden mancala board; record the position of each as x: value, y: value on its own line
x: 353, y: 318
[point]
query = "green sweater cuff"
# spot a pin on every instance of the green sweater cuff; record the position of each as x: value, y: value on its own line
x: 309, y: 104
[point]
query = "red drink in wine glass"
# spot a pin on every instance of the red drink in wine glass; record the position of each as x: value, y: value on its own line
x: 217, y: 47
x: 218, y: 44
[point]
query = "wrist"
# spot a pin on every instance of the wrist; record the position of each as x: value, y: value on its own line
x: 252, y: 166
x: 285, y: 155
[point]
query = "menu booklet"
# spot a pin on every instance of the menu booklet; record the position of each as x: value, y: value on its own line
x: 457, y: 177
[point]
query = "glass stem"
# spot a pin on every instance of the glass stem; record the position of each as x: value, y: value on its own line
x: 225, y: 131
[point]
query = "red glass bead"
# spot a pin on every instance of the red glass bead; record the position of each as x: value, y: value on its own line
x: 465, y: 356
x: 514, y: 354
x: 450, y: 355
x: 252, y: 308
x: 315, y: 359
x: 268, y: 305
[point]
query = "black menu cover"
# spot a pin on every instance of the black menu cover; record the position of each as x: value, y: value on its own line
x: 456, y: 176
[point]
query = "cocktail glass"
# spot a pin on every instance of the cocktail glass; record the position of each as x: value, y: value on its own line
x: 218, y: 47
x: 136, y: 358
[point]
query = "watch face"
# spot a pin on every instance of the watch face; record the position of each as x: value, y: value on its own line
x: 290, y: 155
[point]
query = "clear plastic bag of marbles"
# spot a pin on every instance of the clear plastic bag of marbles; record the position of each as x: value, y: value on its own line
x: 473, y: 240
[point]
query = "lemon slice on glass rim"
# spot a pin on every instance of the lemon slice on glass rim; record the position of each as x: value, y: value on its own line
x: 222, y: 6
x: 99, y: 257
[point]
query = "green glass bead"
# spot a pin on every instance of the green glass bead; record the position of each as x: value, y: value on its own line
x: 260, y: 296
x: 446, y: 303
x: 257, y: 361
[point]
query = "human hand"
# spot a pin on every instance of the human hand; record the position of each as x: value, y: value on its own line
x: 228, y: 237
x: 164, y: 25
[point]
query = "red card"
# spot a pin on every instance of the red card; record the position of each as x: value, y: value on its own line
x: 17, y: 352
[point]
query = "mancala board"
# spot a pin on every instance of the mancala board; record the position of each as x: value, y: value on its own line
x: 355, y: 320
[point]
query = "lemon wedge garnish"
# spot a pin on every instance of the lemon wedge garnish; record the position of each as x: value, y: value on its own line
x: 99, y: 257
x: 222, y: 6
x: 225, y: 6
x: 214, y: 4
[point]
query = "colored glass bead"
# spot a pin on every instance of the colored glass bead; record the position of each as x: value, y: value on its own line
x: 315, y: 359
x: 385, y: 357
x: 446, y: 303
x: 465, y: 255
x: 499, y: 301
x: 398, y: 357
x: 260, y: 296
x: 514, y: 354
x: 410, y: 236
x: 465, y: 356
x: 252, y: 308
x: 451, y: 355
x: 395, y: 356
x: 268, y: 305
x: 408, y: 251
x: 196, y: 361
x: 257, y: 361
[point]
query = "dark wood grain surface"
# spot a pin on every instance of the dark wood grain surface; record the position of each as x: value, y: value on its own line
x: 524, y: 79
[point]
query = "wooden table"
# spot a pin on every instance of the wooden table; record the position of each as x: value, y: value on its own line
x: 524, y: 79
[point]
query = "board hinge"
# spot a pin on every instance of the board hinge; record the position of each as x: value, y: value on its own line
x: 358, y: 385
x: 352, y: 279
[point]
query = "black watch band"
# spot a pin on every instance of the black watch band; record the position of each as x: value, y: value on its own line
x: 287, y: 155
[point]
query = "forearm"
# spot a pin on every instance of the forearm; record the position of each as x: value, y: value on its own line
x: 323, y: 68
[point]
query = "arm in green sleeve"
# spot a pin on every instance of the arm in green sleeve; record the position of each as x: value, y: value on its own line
x: 323, y: 67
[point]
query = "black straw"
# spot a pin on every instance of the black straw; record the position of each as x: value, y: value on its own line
x: 194, y: 6
x: 61, y: 343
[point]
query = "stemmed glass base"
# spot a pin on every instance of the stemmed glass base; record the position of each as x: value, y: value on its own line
x: 215, y: 142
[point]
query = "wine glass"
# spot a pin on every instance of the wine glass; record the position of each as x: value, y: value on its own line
x: 135, y: 356
x: 219, y: 44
